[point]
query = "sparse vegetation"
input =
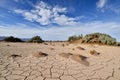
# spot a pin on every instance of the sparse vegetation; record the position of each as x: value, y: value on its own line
x: 72, y: 38
x: 12, y: 39
x: 98, y: 38
x: 36, y: 39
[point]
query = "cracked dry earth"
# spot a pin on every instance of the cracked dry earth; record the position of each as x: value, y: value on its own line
x: 106, y: 66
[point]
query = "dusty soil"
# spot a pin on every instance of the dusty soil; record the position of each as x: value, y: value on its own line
x: 18, y: 63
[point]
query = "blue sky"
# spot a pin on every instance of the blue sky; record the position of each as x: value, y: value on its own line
x: 59, y: 19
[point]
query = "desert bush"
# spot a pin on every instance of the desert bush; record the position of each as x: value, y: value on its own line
x: 99, y: 38
x: 72, y: 38
x: 12, y: 39
x: 36, y: 39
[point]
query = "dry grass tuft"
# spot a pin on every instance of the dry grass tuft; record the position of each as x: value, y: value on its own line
x: 40, y: 54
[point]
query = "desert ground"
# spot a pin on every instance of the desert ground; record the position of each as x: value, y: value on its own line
x: 21, y: 61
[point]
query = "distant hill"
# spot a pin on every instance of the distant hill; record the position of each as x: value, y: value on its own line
x: 23, y: 39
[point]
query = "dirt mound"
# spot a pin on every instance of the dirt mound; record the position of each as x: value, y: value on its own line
x: 80, y: 48
x: 93, y: 52
x: 76, y: 57
x: 80, y: 59
x: 39, y: 54
x: 65, y: 55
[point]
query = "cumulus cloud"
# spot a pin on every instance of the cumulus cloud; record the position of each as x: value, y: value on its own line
x: 110, y: 6
x: 101, y: 3
x: 46, y: 14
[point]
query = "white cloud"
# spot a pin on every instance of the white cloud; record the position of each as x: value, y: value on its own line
x: 108, y: 5
x: 115, y: 7
x: 101, y: 3
x: 61, y: 33
x: 46, y: 14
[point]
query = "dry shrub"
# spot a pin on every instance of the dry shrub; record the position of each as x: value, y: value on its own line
x: 80, y: 48
x: 39, y: 54
x: 93, y: 52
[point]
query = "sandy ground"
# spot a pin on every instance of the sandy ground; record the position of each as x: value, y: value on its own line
x: 105, y: 66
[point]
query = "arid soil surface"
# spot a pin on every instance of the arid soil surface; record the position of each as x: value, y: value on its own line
x: 17, y: 62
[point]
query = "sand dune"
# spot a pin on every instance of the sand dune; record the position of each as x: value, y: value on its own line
x: 58, y: 61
